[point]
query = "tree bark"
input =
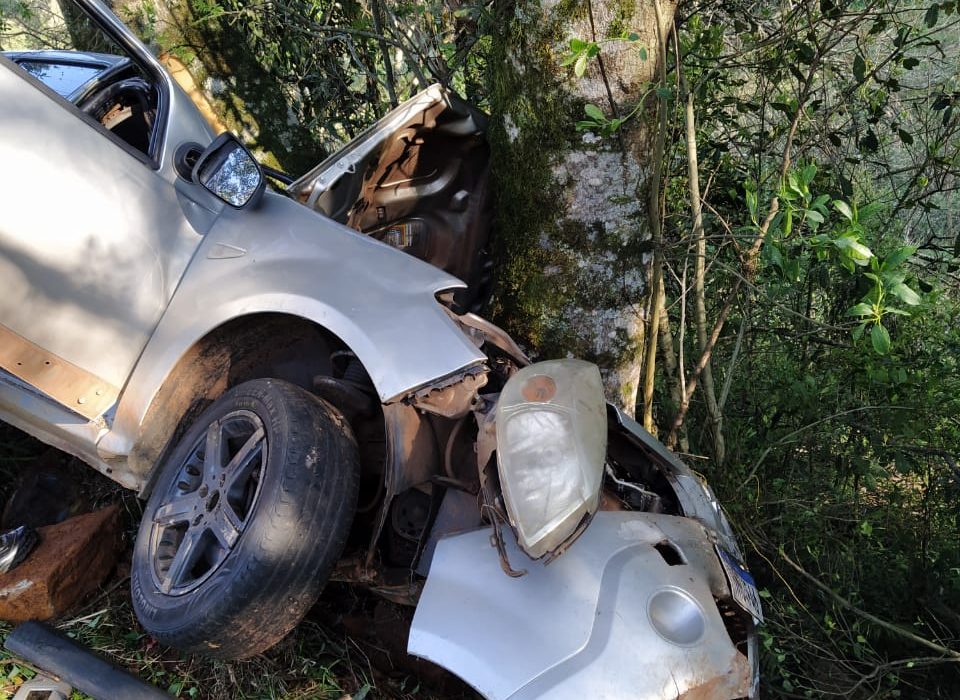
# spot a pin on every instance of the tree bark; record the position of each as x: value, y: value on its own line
x: 574, y: 240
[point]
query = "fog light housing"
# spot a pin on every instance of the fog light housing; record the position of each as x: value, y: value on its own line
x: 677, y: 617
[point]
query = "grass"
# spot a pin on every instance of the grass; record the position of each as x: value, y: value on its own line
x: 349, y: 646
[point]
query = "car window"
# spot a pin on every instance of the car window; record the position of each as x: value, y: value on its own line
x: 62, y: 78
x: 63, y: 48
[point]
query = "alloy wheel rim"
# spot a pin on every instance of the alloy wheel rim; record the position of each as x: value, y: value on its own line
x: 209, y: 503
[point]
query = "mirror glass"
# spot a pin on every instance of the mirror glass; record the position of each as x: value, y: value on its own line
x: 234, y: 178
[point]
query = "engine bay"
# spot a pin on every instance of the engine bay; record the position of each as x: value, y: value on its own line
x: 418, y: 181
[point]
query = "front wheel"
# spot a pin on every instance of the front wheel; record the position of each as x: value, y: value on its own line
x: 248, y: 516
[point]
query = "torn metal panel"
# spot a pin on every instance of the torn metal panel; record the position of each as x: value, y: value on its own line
x: 482, y: 330
x: 412, y: 458
x: 695, y: 497
x: 454, y: 397
x: 597, y: 622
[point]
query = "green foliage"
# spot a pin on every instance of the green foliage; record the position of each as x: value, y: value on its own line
x: 580, y: 53
x: 841, y: 421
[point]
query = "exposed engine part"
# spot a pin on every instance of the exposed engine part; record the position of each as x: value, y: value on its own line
x: 637, y: 497
x: 412, y: 458
x: 409, y: 514
x: 455, y: 399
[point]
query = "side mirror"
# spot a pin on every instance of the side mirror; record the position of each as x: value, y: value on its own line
x: 230, y: 172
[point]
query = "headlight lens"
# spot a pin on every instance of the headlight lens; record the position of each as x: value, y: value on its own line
x: 551, y: 446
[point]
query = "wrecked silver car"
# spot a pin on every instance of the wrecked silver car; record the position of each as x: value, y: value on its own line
x: 295, y: 379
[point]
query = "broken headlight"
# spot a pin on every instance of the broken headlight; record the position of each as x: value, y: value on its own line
x: 551, y: 447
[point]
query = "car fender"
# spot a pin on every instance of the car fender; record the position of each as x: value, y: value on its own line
x: 284, y: 258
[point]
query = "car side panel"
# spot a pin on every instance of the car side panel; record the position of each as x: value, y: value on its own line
x: 284, y: 258
x: 92, y: 240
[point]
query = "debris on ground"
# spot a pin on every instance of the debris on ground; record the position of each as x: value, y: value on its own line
x: 15, y: 546
x: 71, y: 560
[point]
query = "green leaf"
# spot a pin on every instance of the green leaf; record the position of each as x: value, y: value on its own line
x: 866, y: 528
x: 776, y: 257
x: 577, y: 45
x: 580, y: 67
x: 857, y: 251
x: 614, y: 124
x: 633, y: 36
x: 897, y: 257
x: 843, y: 208
x: 911, y: 62
x: 859, y: 68
x: 905, y: 294
x: 880, y: 338
x: 643, y: 53
x: 933, y: 14
x: 751, y: 198
x: 594, y: 113
x: 815, y: 216
x: 895, y: 311
x: 905, y: 136
x: 858, y: 332
x: 860, y: 309
x: 664, y: 93
x: 892, y: 277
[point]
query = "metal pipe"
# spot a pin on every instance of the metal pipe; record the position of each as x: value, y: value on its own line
x: 77, y: 665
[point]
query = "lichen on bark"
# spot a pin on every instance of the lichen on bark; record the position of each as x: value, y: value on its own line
x: 572, y: 239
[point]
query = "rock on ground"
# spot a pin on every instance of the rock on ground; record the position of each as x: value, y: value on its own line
x: 71, y: 560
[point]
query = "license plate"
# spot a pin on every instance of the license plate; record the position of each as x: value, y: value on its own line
x: 742, y: 586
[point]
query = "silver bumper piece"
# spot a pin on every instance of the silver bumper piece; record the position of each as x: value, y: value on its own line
x: 614, y: 617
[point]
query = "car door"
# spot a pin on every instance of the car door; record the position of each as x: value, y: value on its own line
x: 92, y: 238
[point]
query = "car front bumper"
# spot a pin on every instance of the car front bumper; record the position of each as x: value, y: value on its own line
x: 618, y: 615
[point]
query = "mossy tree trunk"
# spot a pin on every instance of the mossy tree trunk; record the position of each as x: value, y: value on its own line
x: 573, y: 238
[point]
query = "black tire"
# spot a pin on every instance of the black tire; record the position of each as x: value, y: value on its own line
x: 259, y: 552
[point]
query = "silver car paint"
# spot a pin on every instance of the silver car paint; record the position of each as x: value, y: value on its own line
x: 580, y: 627
x: 91, y: 258
x: 285, y: 258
